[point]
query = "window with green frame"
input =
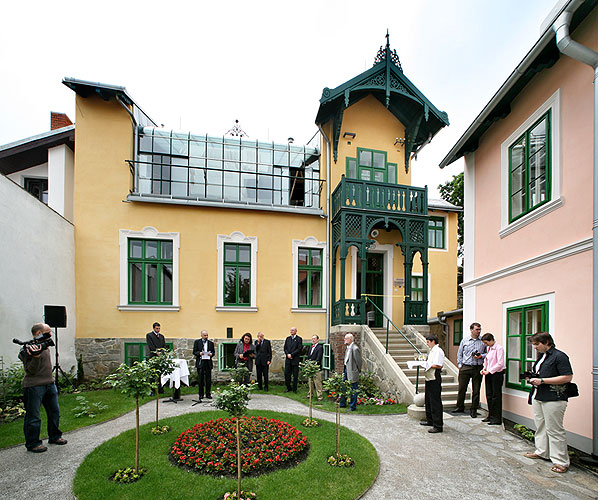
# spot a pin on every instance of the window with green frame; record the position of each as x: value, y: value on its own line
x: 138, y: 351
x: 436, y: 232
x: 417, y: 288
x: 237, y: 274
x: 371, y: 165
x: 457, y: 331
x: 150, y: 271
x: 226, y: 355
x: 522, y: 323
x: 529, y: 169
x: 310, y: 277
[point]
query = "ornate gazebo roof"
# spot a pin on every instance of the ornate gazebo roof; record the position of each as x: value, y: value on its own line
x: 387, y: 83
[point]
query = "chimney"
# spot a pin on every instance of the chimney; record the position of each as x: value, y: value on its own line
x: 59, y: 120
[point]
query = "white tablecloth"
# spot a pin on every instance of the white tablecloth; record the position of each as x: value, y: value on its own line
x: 180, y: 374
x: 413, y: 364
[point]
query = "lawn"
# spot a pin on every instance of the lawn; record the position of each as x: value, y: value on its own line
x: 311, y: 479
x: 11, y: 433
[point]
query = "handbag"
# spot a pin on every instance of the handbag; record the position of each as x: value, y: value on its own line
x: 571, y: 391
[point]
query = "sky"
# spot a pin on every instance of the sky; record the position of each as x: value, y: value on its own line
x: 199, y: 66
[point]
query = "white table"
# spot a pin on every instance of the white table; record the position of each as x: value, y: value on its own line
x: 178, y: 375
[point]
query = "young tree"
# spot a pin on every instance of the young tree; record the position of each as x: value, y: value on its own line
x: 452, y: 191
x: 309, y: 369
x: 234, y: 401
x: 339, y: 387
x: 162, y: 364
x: 134, y: 381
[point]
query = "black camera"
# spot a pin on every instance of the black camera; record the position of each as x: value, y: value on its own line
x: 475, y: 353
x: 527, y: 375
x: 44, y: 342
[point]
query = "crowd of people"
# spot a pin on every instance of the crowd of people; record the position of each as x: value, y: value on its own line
x: 479, y: 356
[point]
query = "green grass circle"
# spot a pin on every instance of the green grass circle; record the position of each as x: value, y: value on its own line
x: 312, y: 479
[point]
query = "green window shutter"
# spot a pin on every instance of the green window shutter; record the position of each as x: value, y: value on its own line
x: 326, y: 357
x: 221, y: 357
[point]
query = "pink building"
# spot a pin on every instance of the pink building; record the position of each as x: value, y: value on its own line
x: 528, y: 213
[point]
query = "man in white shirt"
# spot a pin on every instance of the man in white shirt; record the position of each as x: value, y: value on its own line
x: 434, y: 385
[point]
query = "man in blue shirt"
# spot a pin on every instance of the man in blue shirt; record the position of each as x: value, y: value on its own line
x: 470, y: 359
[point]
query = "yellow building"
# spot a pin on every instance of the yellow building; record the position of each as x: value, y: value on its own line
x: 233, y: 235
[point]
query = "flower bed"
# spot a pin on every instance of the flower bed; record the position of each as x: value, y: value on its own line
x: 266, y: 444
x: 375, y: 401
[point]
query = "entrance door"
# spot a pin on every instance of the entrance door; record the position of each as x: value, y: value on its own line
x: 374, y: 285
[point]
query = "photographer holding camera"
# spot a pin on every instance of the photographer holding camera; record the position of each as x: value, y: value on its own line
x: 549, y: 378
x: 38, y: 389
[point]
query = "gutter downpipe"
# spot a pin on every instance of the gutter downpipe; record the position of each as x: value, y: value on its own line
x: 587, y: 56
x: 135, y: 134
x: 328, y: 294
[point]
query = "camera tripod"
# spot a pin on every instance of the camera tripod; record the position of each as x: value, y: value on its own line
x: 57, y: 369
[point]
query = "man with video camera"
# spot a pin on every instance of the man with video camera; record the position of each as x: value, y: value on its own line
x: 39, y: 388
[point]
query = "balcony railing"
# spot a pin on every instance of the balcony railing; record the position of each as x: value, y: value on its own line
x: 379, y: 196
x: 348, y: 311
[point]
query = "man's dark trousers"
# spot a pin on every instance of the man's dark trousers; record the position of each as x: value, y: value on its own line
x: 467, y: 373
x: 262, y: 372
x: 494, y: 396
x: 204, y: 374
x: 433, y: 398
x: 33, y: 398
x: 291, y: 369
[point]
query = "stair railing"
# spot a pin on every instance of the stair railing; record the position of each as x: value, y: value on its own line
x: 389, y: 322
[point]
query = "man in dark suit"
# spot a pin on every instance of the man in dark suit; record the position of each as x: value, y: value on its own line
x: 315, y: 353
x: 204, y: 351
x: 263, y: 358
x: 155, y: 340
x: 293, y: 345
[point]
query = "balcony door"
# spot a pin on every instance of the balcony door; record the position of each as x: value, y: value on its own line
x: 374, y: 287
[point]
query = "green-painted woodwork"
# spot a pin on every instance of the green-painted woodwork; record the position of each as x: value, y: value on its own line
x: 522, y: 323
x: 530, y: 163
x: 138, y: 351
x: 309, y: 277
x: 436, y: 232
x: 457, y: 331
x: 237, y: 274
x: 150, y: 271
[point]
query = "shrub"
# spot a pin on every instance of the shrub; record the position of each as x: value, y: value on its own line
x: 367, y: 386
x: 85, y: 408
x: 11, y: 389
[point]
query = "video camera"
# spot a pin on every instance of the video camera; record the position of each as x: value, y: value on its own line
x: 528, y: 374
x: 44, y: 342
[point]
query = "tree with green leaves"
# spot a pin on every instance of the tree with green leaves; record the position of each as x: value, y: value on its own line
x: 162, y: 364
x: 338, y: 387
x: 309, y: 369
x: 136, y: 382
x: 452, y: 191
x: 234, y: 400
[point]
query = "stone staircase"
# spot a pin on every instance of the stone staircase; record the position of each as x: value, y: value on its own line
x: 401, y: 351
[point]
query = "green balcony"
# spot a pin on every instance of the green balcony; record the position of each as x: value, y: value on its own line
x: 381, y: 197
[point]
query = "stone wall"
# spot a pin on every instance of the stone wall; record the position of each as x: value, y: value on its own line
x: 101, y: 356
x: 337, y: 344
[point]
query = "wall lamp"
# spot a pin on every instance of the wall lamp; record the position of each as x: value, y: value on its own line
x: 349, y: 135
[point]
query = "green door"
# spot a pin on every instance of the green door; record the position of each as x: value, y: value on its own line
x: 374, y: 286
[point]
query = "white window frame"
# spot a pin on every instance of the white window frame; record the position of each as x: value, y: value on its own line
x: 547, y: 297
x: 554, y: 105
x: 310, y: 242
x: 147, y: 233
x: 238, y: 238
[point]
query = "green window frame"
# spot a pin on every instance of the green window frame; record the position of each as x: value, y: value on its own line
x: 150, y: 271
x: 138, y: 351
x: 226, y: 355
x: 436, y: 232
x: 370, y: 165
x: 530, y: 163
x: 309, y: 277
x: 237, y: 274
x: 522, y: 322
x: 417, y: 288
x: 457, y: 331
